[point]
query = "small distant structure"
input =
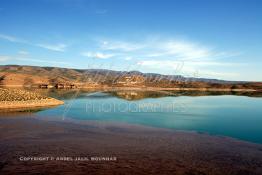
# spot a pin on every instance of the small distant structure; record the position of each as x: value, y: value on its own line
x: 124, y: 80
x: 65, y: 86
x: 73, y: 86
x: 59, y: 86
x: 43, y: 86
x: 130, y: 80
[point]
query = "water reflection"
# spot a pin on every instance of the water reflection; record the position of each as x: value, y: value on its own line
x: 234, y: 114
x: 135, y: 94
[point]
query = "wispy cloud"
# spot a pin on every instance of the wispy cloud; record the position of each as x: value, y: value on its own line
x: 28, y: 59
x: 120, y: 45
x: 41, y: 61
x: 161, y: 55
x: 97, y: 55
x: 189, y: 68
x: 184, y: 50
x: 4, y: 58
x: 180, y: 50
x: 23, y: 52
x: 164, y: 49
x: 183, y: 57
x: 54, y: 47
x: 173, y: 64
x: 60, y: 47
x: 128, y: 58
x: 12, y: 39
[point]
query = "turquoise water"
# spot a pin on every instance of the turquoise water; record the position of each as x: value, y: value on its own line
x: 226, y: 115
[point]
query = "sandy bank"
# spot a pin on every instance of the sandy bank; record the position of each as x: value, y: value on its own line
x: 29, y: 103
x: 20, y: 99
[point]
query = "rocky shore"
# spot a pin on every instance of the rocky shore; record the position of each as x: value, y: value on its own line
x: 20, y: 99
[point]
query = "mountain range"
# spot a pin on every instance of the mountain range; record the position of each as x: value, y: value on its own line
x: 47, y: 77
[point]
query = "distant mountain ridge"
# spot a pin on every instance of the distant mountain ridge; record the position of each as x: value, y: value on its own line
x: 17, y: 75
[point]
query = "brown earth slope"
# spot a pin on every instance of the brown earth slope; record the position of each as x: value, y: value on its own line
x: 13, y: 75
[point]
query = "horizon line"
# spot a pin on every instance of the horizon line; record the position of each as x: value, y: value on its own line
x: 132, y: 71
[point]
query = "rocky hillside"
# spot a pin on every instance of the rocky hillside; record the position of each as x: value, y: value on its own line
x: 45, y: 77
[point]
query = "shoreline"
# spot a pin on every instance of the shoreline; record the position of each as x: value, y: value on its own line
x: 29, y: 104
x: 143, y: 88
x: 172, y: 89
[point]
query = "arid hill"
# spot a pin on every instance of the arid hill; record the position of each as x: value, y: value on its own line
x: 46, y: 77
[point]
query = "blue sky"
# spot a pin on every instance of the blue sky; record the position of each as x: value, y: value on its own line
x: 197, y: 38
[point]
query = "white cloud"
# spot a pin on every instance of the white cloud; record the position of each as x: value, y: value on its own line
x: 56, y: 47
x: 165, y: 64
x: 188, y: 68
x: 153, y: 54
x: 120, y: 46
x: 4, y: 58
x: 164, y: 49
x: 22, y: 52
x: 60, y: 47
x: 98, y: 55
x: 220, y: 75
x: 170, y: 56
x: 185, y: 50
x: 41, y: 61
x: 128, y: 58
x: 173, y: 64
x: 12, y: 39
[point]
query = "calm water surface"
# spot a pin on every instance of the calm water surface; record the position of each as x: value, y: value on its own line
x: 226, y: 115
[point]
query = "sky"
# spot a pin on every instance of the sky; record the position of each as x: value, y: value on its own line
x: 219, y: 39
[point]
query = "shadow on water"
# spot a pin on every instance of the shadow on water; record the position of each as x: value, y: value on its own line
x: 17, y: 113
x: 22, y: 111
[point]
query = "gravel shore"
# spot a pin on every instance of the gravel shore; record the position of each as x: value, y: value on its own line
x: 20, y: 99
